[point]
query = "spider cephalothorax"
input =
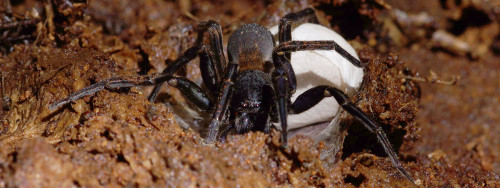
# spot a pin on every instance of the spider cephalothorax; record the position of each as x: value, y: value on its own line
x: 241, y: 92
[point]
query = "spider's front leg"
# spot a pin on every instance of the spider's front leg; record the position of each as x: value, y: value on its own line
x: 281, y: 85
x: 188, y: 88
x: 211, y: 66
x: 222, y: 104
x: 117, y: 82
x: 212, y: 60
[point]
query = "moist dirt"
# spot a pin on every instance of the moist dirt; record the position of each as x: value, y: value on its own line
x: 431, y: 81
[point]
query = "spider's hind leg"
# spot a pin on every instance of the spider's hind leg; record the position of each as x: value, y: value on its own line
x: 314, y: 95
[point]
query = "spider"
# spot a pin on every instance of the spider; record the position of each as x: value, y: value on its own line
x: 242, y: 91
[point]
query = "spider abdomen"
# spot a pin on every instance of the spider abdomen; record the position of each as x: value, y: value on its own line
x: 250, y: 45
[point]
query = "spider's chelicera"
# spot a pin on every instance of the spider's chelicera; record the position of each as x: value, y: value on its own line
x: 254, y: 95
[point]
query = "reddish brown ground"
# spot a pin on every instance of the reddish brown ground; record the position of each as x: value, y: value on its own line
x: 118, y: 138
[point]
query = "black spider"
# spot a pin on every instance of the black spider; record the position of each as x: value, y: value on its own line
x: 242, y: 86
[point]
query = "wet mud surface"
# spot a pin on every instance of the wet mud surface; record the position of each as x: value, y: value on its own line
x: 431, y: 81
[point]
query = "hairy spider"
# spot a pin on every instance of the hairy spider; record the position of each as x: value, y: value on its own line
x: 254, y: 97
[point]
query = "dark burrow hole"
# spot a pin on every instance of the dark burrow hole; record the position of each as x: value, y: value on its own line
x: 347, y: 18
x: 121, y: 158
x: 144, y: 64
x: 359, y: 139
x: 106, y: 134
x: 444, y: 4
x: 16, y: 2
x: 354, y: 180
x: 471, y: 17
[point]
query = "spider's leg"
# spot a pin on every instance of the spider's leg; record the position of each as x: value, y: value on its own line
x: 211, y: 64
x: 188, y: 88
x: 285, y: 25
x: 282, y: 93
x: 314, y: 95
x: 285, y: 35
x: 191, y: 91
x: 186, y: 57
x: 292, y: 46
x: 215, y: 36
x: 79, y: 94
x: 116, y: 82
x: 222, y: 104
x: 207, y: 69
x: 224, y: 133
x: 209, y: 73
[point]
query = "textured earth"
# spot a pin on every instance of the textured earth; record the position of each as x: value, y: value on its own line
x: 432, y: 82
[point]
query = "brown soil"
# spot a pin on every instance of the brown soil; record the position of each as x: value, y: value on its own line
x: 431, y: 82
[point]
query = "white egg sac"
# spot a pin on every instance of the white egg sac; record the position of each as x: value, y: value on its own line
x: 321, y: 67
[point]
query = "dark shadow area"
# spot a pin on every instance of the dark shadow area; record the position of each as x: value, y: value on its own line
x: 360, y: 139
x: 354, y: 180
x: 347, y: 18
x: 471, y: 17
